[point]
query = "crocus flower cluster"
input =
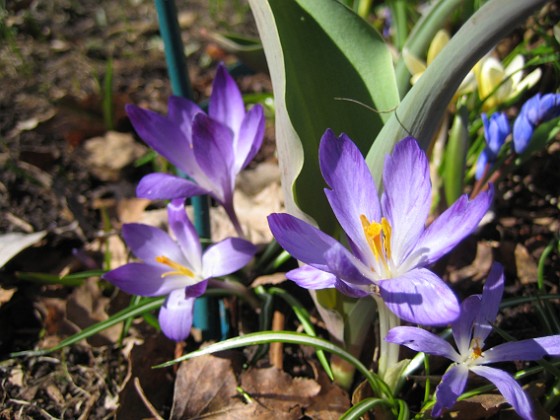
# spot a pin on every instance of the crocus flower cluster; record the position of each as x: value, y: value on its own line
x: 537, y: 110
x: 390, y: 246
x: 211, y: 149
x: 470, y: 331
x: 496, y: 130
x: 176, y: 267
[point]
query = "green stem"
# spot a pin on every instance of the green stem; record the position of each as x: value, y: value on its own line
x: 388, y: 352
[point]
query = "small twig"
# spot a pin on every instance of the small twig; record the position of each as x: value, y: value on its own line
x: 145, y: 400
x: 276, y: 348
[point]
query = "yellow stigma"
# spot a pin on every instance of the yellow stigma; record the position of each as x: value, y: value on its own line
x: 378, y: 236
x: 180, y: 270
x: 476, y: 351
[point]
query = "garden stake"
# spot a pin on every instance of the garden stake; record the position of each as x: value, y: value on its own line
x: 206, y: 310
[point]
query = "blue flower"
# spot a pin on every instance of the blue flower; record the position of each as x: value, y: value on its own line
x: 496, y: 130
x: 537, y: 110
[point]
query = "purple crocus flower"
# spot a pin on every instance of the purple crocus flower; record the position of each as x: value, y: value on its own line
x: 176, y: 268
x: 537, y: 110
x: 211, y: 149
x: 470, y: 330
x: 496, y: 130
x: 390, y: 244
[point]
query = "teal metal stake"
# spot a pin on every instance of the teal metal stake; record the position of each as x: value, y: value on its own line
x: 206, y: 310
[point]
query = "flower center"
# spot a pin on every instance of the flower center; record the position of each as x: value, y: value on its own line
x: 178, y: 269
x: 378, y: 236
x: 476, y: 350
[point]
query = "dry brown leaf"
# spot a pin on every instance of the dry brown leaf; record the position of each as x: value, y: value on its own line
x: 206, y: 386
x: 269, y: 280
x: 525, y: 265
x: 131, y: 210
x: 107, y: 155
x: 86, y: 306
x: 331, y: 402
x: 477, y: 407
x: 478, y: 268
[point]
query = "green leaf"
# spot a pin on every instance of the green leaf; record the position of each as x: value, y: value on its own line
x: 325, y: 63
x: 267, y: 337
x: 132, y: 311
x: 422, y: 108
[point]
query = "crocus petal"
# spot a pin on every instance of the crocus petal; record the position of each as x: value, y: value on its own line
x: 530, y: 349
x: 185, y: 233
x: 181, y: 111
x: 161, y: 135
x: 196, y: 290
x: 347, y: 267
x: 144, y: 279
x: 176, y: 315
x: 349, y: 289
x: 353, y: 190
x: 213, y: 149
x: 227, y: 256
x: 420, y: 297
x: 453, y: 225
x: 406, y: 197
x: 490, y: 303
x: 249, y: 139
x: 148, y: 242
x: 463, y: 326
x: 451, y: 386
x: 226, y: 104
x: 419, y: 339
x: 160, y: 186
x: 303, y: 241
x: 509, y: 388
x: 311, y: 278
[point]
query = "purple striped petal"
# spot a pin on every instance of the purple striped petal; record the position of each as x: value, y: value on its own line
x: 196, y: 290
x: 347, y: 267
x: 226, y: 104
x: 161, y: 135
x: 144, y: 279
x: 213, y: 149
x: 311, y: 278
x: 148, y: 242
x: 160, y: 186
x: 530, y: 349
x: 227, y: 256
x: 451, y: 227
x: 353, y: 190
x: 181, y: 111
x: 451, y: 386
x: 490, y: 303
x: 185, y: 233
x: 176, y: 315
x: 420, y: 297
x: 407, y: 196
x: 349, y: 290
x: 421, y: 340
x: 303, y: 241
x: 249, y: 139
x: 509, y: 388
x: 463, y: 327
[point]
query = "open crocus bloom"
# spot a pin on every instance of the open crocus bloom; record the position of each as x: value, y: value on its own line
x: 176, y: 268
x: 470, y: 331
x: 211, y: 149
x: 390, y: 244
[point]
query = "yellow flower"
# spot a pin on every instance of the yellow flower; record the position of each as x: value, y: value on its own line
x: 416, y: 66
x: 497, y: 84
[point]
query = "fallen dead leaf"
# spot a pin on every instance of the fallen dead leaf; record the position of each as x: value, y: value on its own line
x: 269, y: 279
x: 206, y: 386
x: 108, y: 155
x: 525, y: 265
